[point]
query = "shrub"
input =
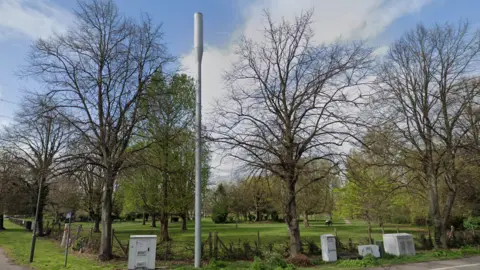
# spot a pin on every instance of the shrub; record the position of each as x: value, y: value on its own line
x: 420, y: 221
x: 130, y: 217
x: 214, y: 264
x: 275, y: 216
x: 313, y: 248
x: 80, y: 243
x: 457, y: 222
x: 400, y: 220
x: 275, y: 260
x: 258, y: 264
x: 472, y: 223
x: 219, y: 213
x: 367, y: 261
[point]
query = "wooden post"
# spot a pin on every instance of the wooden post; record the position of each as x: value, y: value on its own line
x: 90, y: 236
x: 215, y: 246
x: 64, y: 237
x: 67, y: 244
x: 258, y: 239
x: 335, y: 231
x: 398, y: 230
x: 209, y: 245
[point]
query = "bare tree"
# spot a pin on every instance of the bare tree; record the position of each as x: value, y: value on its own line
x: 98, y: 70
x: 89, y: 177
x: 64, y: 195
x: 290, y: 104
x: 38, y: 141
x: 425, y: 85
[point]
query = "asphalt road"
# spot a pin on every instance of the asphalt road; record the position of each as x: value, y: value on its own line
x: 5, y: 263
x: 472, y: 263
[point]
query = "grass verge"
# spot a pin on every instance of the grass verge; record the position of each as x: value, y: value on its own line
x: 48, y: 255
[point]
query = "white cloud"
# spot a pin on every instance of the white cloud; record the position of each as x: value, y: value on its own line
x: 32, y: 18
x: 332, y: 19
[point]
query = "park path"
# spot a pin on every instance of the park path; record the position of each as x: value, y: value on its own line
x: 5, y: 263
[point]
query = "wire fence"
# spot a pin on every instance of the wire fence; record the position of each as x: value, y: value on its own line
x: 215, y: 246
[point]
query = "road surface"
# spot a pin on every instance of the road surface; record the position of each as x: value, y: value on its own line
x: 5, y: 263
x: 472, y: 263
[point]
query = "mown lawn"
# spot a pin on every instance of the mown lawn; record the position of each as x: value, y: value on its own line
x: 48, y: 254
x: 16, y: 242
x: 269, y: 231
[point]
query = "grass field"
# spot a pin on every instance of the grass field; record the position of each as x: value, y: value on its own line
x: 49, y: 255
x: 269, y: 232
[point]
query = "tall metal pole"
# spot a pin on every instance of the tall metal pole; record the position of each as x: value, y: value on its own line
x: 198, y: 46
x: 42, y: 176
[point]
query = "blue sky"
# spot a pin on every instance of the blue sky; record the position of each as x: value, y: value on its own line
x: 378, y: 21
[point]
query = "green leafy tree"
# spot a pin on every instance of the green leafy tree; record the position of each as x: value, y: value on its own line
x: 221, y: 205
x: 370, y: 187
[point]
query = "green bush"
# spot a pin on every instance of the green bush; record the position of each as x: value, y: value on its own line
x: 472, y: 223
x: 313, y: 248
x: 274, y: 261
x: 220, y: 213
x: 80, y: 243
x: 214, y: 264
x: 457, y: 222
x: 367, y: 261
x: 400, y: 220
x: 258, y: 264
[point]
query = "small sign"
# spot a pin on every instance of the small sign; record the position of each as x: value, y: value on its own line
x: 69, y: 215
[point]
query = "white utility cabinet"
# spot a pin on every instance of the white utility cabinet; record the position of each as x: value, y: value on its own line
x: 399, y: 244
x: 329, y: 247
x: 142, y: 251
x: 365, y: 250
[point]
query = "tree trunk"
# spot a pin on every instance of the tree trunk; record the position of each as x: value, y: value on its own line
x: 39, y: 226
x: 437, y: 226
x: 305, y: 220
x: 446, y: 216
x: 184, y: 221
x: 144, y: 219
x: 41, y: 209
x: 434, y: 207
x: 1, y: 222
x: 96, y: 226
x: 107, y: 207
x: 291, y: 219
x: 164, y: 227
x: 370, y: 240
x: 154, y: 220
